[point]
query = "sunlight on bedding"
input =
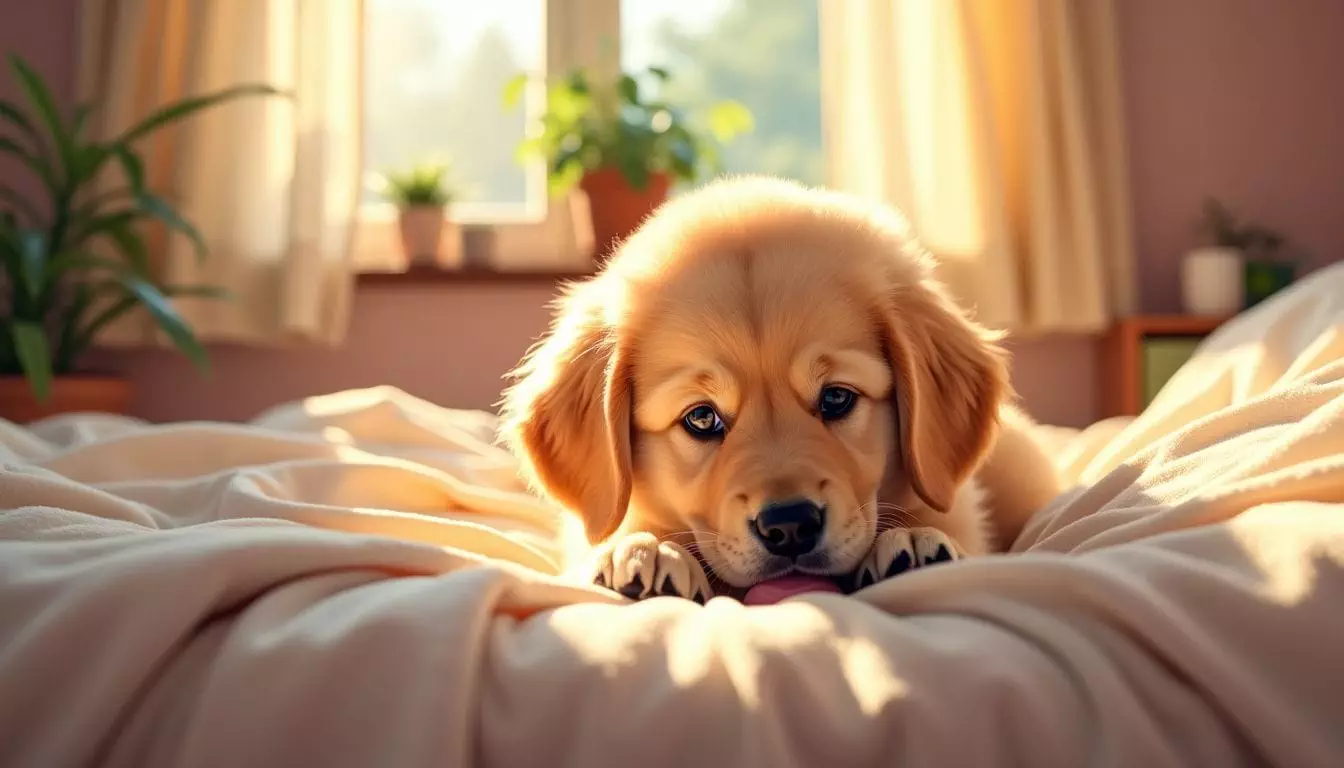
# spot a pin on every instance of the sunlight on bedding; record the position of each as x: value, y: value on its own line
x: 727, y: 644
x: 873, y: 680
x: 1289, y: 565
x: 161, y: 575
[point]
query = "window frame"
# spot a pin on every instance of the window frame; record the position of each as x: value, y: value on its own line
x: 578, y: 33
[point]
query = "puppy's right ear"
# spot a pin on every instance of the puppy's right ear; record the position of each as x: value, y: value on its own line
x: 952, y: 379
x: 567, y: 416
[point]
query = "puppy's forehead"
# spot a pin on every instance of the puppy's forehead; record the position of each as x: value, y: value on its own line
x: 754, y: 306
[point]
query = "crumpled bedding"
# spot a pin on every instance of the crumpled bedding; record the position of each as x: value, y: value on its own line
x: 359, y: 579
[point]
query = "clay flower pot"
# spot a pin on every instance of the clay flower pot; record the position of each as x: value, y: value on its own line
x: 618, y: 208
x: 69, y: 394
x: 421, y: 231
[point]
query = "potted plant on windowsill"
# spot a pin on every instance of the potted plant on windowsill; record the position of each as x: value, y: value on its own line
x: 623, y: 147
x: 77, y: 261
x: 422, y: 196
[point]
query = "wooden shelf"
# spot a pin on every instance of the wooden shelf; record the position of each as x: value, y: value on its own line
x: 1121, y: 366
x: 1170, y: 325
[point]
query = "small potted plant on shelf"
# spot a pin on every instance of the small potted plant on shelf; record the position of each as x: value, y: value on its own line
x: 422, y: 195
x: 621, y: 144
x: 77, y: 261
x: 1241, y: 265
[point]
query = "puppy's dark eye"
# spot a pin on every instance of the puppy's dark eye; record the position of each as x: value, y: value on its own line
x: 703, y: 422
x: 835, y: 403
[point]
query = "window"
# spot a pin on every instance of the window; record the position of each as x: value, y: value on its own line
x: 435, y: 70
x: 763, y: 53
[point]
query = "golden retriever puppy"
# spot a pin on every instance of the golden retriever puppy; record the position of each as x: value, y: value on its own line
x: 767, y: 379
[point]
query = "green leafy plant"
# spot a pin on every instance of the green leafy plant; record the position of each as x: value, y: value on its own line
x: 621, y: 124
x: 1269, y: 266
x: 422, y: 184
x: 76, y: 262
x: 1225, y: 229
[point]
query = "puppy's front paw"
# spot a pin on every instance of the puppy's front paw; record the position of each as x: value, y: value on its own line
x: 900, y: 549
x: 639, y: 566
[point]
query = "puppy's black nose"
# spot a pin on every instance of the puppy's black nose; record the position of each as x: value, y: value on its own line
x: 790, y: 528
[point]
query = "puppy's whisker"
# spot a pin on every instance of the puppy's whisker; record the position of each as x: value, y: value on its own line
x: 887, y: 513
x: 693, y: 534
x: 880, y: 505
x: 903, y: 519
x: 697, y: 548
x: 710, y: 570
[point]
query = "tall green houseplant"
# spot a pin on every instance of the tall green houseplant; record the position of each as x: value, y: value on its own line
x: 74, y: 262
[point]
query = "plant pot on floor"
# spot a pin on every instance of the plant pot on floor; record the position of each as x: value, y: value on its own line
x: 427, y: 237
x: 69, y: 394
x: 617, y: 207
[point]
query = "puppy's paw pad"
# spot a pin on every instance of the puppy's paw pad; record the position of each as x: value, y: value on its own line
x: 900, y: 549
x: 639, y: 567
x: 900, y: 564
x: 669, y: 588
x: 892, y: 554
x: 635, y: 589
x: 932, y: 546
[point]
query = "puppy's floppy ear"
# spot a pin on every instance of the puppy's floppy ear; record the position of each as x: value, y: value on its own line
x: 951, y: 379
x: 567, y: 417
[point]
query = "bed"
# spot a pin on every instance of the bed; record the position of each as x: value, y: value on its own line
x: 359, y: 579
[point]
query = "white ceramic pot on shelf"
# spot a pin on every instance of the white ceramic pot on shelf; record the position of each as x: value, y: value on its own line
x: 1213, y: 281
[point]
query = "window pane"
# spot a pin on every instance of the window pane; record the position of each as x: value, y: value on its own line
x: 434, y: 72
x: 763, y: 53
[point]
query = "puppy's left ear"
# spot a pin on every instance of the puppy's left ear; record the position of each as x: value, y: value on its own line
x: 951, y: 380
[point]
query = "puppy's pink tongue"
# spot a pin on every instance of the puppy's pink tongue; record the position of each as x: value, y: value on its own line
x: 772, y: 591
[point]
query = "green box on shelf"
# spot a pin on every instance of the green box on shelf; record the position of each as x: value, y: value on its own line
x: 1265, y: 278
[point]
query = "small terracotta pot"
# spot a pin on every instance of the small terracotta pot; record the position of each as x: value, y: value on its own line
x: 617, y: 208
x: 421, y: 232
x: 69, y: 394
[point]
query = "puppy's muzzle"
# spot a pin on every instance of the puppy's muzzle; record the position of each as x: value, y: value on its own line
x: 790, y: 528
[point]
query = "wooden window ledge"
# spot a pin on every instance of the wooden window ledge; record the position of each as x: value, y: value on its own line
x: 428, y: 275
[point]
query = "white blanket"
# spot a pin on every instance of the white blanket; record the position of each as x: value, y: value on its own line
x: 359, y: 580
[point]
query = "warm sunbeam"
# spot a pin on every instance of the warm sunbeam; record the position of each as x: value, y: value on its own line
x: 1289, y: 559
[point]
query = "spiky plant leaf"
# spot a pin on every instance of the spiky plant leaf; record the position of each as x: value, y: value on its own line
x: 34, y: 353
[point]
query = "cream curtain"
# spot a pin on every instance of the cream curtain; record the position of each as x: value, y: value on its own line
x: 995, y: 125
x: 272, y: 184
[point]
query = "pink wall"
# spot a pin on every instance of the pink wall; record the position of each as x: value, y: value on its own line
x: 43, y: 33
x: 1241, y: 99
x: 425, y: 339
x: 1232, y: 97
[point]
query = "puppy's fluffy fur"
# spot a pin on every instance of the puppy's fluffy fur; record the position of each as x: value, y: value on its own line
x: 754, y: 297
